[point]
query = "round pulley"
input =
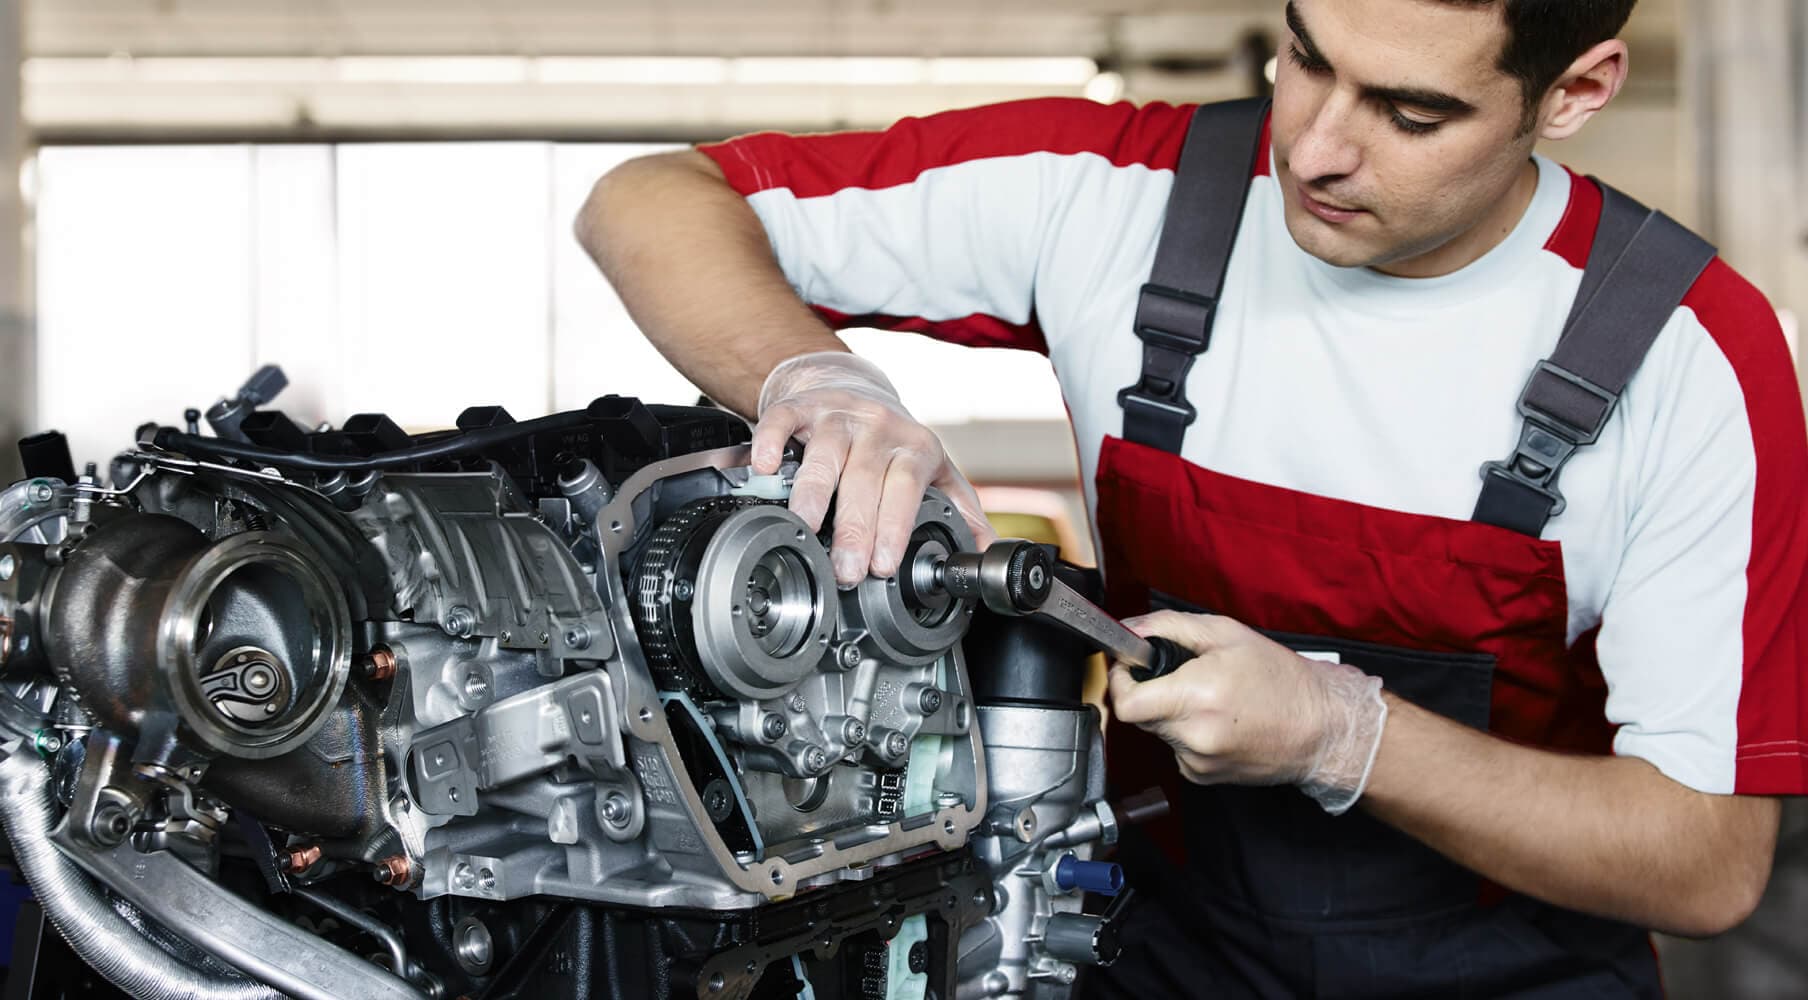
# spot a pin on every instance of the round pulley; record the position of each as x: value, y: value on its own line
x: 736, y: 593
x: 911, y: 617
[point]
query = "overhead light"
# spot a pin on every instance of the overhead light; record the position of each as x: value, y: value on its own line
x: 633, y: 70
x: 702, y: 71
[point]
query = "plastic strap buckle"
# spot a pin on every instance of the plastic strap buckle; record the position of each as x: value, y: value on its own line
x: 1175, y: 328
x: 1546, y: 440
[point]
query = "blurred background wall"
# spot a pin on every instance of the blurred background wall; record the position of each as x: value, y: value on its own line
x: 378, y: 196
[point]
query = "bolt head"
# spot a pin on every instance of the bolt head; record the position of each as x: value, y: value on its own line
x: 930, y: 701
x: 815, y: 759
x: 848, y: 655
x: 896, y: 744
x: 773, y: 726
x: 683, y: 590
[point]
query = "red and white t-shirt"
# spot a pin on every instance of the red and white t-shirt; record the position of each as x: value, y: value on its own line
x: 1033, y: 224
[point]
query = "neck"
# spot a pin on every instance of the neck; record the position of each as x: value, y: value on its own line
x: 1485, y: 235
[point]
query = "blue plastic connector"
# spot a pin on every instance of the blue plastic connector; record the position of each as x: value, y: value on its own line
x: 1102, y: 877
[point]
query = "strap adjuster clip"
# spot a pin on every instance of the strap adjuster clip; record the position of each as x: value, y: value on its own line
x: 1548, y: 441
x: 1570, y: 431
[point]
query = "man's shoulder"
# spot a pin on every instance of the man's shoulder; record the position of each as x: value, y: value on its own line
x: 1123, y: 134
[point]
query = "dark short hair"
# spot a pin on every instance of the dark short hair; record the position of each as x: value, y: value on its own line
x: 1545, y: 36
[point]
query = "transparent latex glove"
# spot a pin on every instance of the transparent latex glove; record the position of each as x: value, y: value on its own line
x: 863, y: 448
x: 1248, y: 711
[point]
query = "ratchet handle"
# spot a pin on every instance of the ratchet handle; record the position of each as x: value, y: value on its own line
x: 1166, y: 657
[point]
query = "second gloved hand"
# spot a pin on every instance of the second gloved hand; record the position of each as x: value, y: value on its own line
x: 1248, y: 711
x: 864, y: 448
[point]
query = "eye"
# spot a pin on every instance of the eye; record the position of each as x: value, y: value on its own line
x: 1309, y: 64
x: 1410, y: 125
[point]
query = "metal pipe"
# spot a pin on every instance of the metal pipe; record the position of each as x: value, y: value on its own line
x: 392, y: 942
x: 82, y: 913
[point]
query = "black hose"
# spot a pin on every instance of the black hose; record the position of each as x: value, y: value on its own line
x: 171, y: 439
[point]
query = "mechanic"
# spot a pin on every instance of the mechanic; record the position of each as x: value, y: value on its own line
x: 1566, y: 721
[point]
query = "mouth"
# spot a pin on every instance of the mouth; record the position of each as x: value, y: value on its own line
x: 1330, y: 213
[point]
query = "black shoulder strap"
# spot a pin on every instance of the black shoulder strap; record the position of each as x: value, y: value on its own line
x: 1642, y: 264
x: 1175, y: 310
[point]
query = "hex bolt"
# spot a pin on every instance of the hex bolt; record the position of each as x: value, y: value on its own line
x: 460, y: 622
x: 47, y: 743
x: 930, y: 701
x: 683, y: 590
x: 616, y: 810
x: 848, y: 655
x: 896, y: 743
x: 392, y: 871
x: 110, y: 824
x: 773, y: 727
x: 379, y: 664
x: 298, y: 859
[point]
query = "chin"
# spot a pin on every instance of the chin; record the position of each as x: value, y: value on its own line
x: 1315, y: 237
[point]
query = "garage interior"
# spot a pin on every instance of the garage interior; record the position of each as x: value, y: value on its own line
x: 378, y: 196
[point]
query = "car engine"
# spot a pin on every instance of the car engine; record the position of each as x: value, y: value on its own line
x: 553, y: 708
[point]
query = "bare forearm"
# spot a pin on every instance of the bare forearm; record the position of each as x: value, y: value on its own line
x: 1607, y: 835
x: 692, y: 264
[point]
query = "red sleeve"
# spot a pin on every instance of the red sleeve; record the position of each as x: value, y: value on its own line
x: 804, y: 168
x: 1772, y: 750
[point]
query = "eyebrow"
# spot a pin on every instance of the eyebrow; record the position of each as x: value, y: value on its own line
x: 1428, y: 100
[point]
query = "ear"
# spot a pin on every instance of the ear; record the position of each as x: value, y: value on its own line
x: 1583, y: 89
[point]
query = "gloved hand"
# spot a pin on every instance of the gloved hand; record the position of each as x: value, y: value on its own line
x: 1249, y: 711
x: 860, y: 443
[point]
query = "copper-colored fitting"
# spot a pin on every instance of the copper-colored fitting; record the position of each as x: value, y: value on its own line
x: 300, y: 859
x: 380, y: 664
x: 393, y: 870
x: 6, y: 638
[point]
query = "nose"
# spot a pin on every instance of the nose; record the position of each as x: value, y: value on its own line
x: 1325, y: 149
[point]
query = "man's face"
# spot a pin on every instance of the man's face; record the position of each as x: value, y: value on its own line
x: 1396, y: 135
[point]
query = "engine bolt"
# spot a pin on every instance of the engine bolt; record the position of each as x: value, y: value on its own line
x: 460, y: 622
x: 110, y: 824
x: 683, y: 590
x: 392, y: 871
x: 815, y: 759
x: 853, y: 732
x: 615, y: 809
x: 848, y: 656
x: 380, y: 664
x: 578, y: 637
x: 40, y: 492
x: 299, y: 859
x: 930, y: 701
x: 896, y: 744
x: 795, y: 702
x: 773, y: 726
x: 46, y: 742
